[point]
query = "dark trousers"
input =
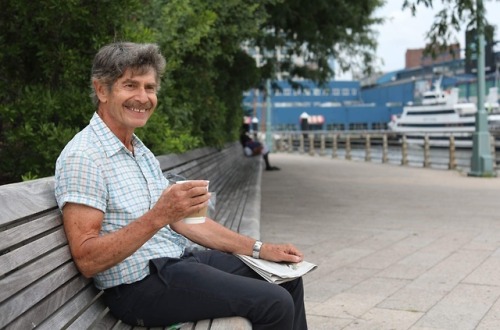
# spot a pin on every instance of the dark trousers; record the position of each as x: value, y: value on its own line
x: 203, y: 285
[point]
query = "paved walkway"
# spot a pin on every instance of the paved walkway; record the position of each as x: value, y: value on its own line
x: 397, y: 247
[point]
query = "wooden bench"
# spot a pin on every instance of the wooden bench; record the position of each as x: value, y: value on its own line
x: 40, y: 284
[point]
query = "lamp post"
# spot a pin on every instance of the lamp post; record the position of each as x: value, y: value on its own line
x: 482, y: 160
x: 269, y: 138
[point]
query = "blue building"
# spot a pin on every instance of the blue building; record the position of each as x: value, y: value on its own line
x: 337, y: 105
x: 359, y: 105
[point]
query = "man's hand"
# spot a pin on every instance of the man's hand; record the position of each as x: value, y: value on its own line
x: 280, y: 253
x: 180, y: 200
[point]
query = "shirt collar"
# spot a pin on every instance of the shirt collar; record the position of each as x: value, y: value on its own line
x: 110, y: 142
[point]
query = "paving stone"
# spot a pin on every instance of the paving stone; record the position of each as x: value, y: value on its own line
x: 491, y: 321
x: 462, y: 308
x: 384, y: 319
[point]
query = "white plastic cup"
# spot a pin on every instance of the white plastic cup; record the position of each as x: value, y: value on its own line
x: 197, y: 217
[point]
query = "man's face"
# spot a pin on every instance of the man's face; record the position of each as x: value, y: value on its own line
x: 130, y: 103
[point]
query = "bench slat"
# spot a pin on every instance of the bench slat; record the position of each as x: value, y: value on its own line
x: 108, y: 321
x: 203, y: 325
x: 121, y: 326
x: 91, y: 316
x: 31, y: 229
x: 37, y: 292
x: 19, y: 200
x: 233, y: 323
x: 66, y: 308
x: 25, y: 276
x: 39, y: 313
x: 188, y: 326
x: 172, y: 161
x: 26, y: 253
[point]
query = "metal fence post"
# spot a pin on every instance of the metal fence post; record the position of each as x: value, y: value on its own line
x: 322, y: 147
x: 493, y: 150
x: 334, y: 145
x: 427, y: 162
x: 453, y: 161
x: 311, y: 144
x: 404, y: 151
x: 348, y: 147
x: 301, y: 143
x: 385, y: 148
x: 368, y: 156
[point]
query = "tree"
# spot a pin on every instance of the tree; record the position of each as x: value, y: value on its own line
x: 48, y: 45
x: 47, y: 49
x: 208, y: 72
x: 320, y: 30
x: 454, y: 15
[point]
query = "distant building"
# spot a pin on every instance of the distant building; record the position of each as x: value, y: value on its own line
x: 471, y: 50
x: 417, y: 57
x: 336, y: 105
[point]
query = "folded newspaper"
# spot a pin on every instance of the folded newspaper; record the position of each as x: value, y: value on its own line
x: 277, y: 272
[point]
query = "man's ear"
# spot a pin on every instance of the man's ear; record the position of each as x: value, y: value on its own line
x: 101, y: 91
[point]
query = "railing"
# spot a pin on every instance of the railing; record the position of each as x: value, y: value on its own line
x: 453, y: 150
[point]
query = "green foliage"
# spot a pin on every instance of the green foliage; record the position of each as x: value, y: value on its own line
x: 33, y: 130
x: 29, y: 176
x: 161, y: 139
x: 48, y: 46
x: 319, y: 30
x: 204, y: 87
x: 453, y: 16
x: 47, y: 50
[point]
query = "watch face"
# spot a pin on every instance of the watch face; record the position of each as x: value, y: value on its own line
x: 256, y: 249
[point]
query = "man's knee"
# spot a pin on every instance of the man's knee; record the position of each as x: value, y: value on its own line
x: 278, y: 310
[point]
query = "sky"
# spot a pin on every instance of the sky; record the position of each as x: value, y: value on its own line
x: 403, y: 31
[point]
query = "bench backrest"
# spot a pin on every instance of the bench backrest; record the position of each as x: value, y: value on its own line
x: 40, y: 284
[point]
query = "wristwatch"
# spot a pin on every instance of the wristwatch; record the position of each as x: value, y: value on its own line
x: 256, y: 249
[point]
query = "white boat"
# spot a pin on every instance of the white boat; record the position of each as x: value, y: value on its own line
x: 442, y: 114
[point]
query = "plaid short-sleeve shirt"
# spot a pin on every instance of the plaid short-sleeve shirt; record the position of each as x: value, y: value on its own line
x: 97, y: 170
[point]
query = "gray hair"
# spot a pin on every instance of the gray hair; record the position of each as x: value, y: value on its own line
x: 112, y: 60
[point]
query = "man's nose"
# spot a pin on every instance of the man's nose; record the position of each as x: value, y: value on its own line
x: 142, y: 95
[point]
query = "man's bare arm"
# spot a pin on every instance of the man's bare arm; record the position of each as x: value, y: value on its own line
x: 215, y: 236
x: 94, y: 253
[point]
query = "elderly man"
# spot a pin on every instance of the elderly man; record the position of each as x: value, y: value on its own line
x: 122, y: 218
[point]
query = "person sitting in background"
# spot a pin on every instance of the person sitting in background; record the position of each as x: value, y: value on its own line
x: 254, y: 148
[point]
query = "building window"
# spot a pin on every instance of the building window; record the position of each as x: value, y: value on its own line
x: 335, y: 127
x: 336, y: 92
x: 345, y: 91
x: 358, y: 126
x: 379, y: 126
x: 287, y: 92
x: 316, y: 92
